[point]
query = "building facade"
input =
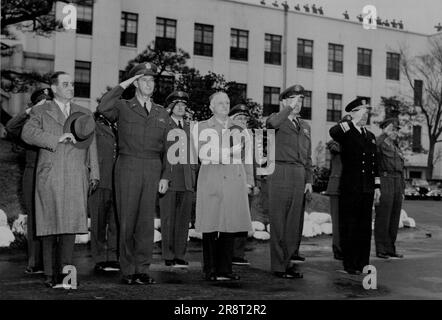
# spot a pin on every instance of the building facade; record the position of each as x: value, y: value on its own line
x: 334, y: 59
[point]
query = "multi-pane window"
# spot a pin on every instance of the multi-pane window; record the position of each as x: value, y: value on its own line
x: 84, y: 17
x: 364, y: 62
x: 272, y: 53
x: 305, y: 53
x: 129, y: 29
x: 271, y: 100
x: 417, y: 136
x: 368, y: 101
x: 306, y: 109
x: 334, y: 107
x: 203, y: 40
x: 165, y: 39
x: 393, y: 60
x: 82, y: 84
x: 240, y: 90
x: 335, y: 57
x: 418, y: 86
x: 239, y: 44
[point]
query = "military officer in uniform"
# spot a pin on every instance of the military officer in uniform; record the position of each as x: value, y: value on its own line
x: 289, y: 183
x: 241, y: 114
x: 391, y: 170
x: 141, y: 169
x: 14, y: 128
x: 176, y: 203
x: 359, y: 183
x: 104, y: 233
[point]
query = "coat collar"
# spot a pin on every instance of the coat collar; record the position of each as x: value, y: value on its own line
x: 55, y: 112
x: 138, y: 108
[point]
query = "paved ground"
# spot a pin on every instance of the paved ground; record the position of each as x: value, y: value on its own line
x: 418, y: 276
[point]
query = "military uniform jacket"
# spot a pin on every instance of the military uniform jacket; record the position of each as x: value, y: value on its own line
x: 14, y: 127
x: 358, y: 156
x: 139, y: 135
x: 293, y: 144
x: 189, y: 169
x: 391, y: 160
x: 107, y: 151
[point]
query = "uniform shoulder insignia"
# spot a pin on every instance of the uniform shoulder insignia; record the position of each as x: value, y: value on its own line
x: 344, y: 126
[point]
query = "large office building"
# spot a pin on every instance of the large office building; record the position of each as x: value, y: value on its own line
x: 263, y: 48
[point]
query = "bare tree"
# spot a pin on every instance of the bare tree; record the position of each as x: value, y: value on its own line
x: 428, y: 68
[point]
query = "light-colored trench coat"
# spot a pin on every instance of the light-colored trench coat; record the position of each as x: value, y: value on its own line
x: 222, y: 202
x: 63, y: 172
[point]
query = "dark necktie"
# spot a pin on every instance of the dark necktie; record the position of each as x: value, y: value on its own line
x: 296, y: 123
x: 145, y: 108
x: 179, y: 124
x: 364, y: 133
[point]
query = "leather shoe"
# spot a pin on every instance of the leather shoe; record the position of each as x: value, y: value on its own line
x: 353, y: 272
x: 143, y: 279
x: 49, y: 281
x: 169, y: 263
x: 396, y: 256
x: 229, y: 276
x: 129, y: 279
x: 382, y: 256
x: 295, y: 273
x: 298, y: 258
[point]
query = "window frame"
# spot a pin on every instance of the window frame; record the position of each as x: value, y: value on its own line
x: 364, y: 69
x: 272, y: 57
x: 203, y: 48
x: 269, y: 108
x: 393, y: 71
x: 236, y: 52
x: 82, y: 89
x: 165, y: 43
x: 334, y: 114
x: 304, y: 60
x: 335, y: 65
x: 124, y: 42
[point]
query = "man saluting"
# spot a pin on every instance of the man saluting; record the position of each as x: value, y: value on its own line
x: 359, y: 182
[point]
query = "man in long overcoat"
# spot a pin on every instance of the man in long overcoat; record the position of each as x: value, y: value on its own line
x: 64, y: 175
x: 222, y: 206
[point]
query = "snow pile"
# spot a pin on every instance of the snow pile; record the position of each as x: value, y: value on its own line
x: 156, y: 236
x: 20, y: 225
x: 406, y: 221
x: 195, y: 235
x: 82, y: 238
x: 260, y: 231
x: 316, y: 223
x: 6, y: 235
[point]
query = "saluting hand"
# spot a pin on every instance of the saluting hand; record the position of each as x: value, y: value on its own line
x: 128, y: 82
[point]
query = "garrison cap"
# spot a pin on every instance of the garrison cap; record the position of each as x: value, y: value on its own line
x: 144, y: 68
x: 291, y: 92
x: 387, y: 122
x: 356, y: 103
x: 239, y: 109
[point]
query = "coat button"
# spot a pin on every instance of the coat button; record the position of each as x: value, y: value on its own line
x: 363, y: 162
x: 363, y: 171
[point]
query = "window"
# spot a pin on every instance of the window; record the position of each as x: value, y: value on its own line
x: 334, y: 107
x: 203, y: 45
x: 82, y: 79
x: 415, y: 174
x: 368, y: 101
x: 418, y: 85
x: 271, y: 100
x: 364, y: 62
x: 84, y: 17
x: 335, y: 57
x: 272, y: 54
x: 164, y: 86
x: 417, y: 135
x: 306, y: 109
x: 121, y: 75
x: 129, y: 29
x: 239, y: 91
x: 165, y: 35
x: 305, y: 53
x: 393, y: 60
x: 239, y: 43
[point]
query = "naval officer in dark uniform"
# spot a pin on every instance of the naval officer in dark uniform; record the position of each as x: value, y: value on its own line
x: 359, y: 183
x: 290, y: 182
x: 176, y: 203
x: 101, y: 202
x: 141, y: 169
x: 391, y: 170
